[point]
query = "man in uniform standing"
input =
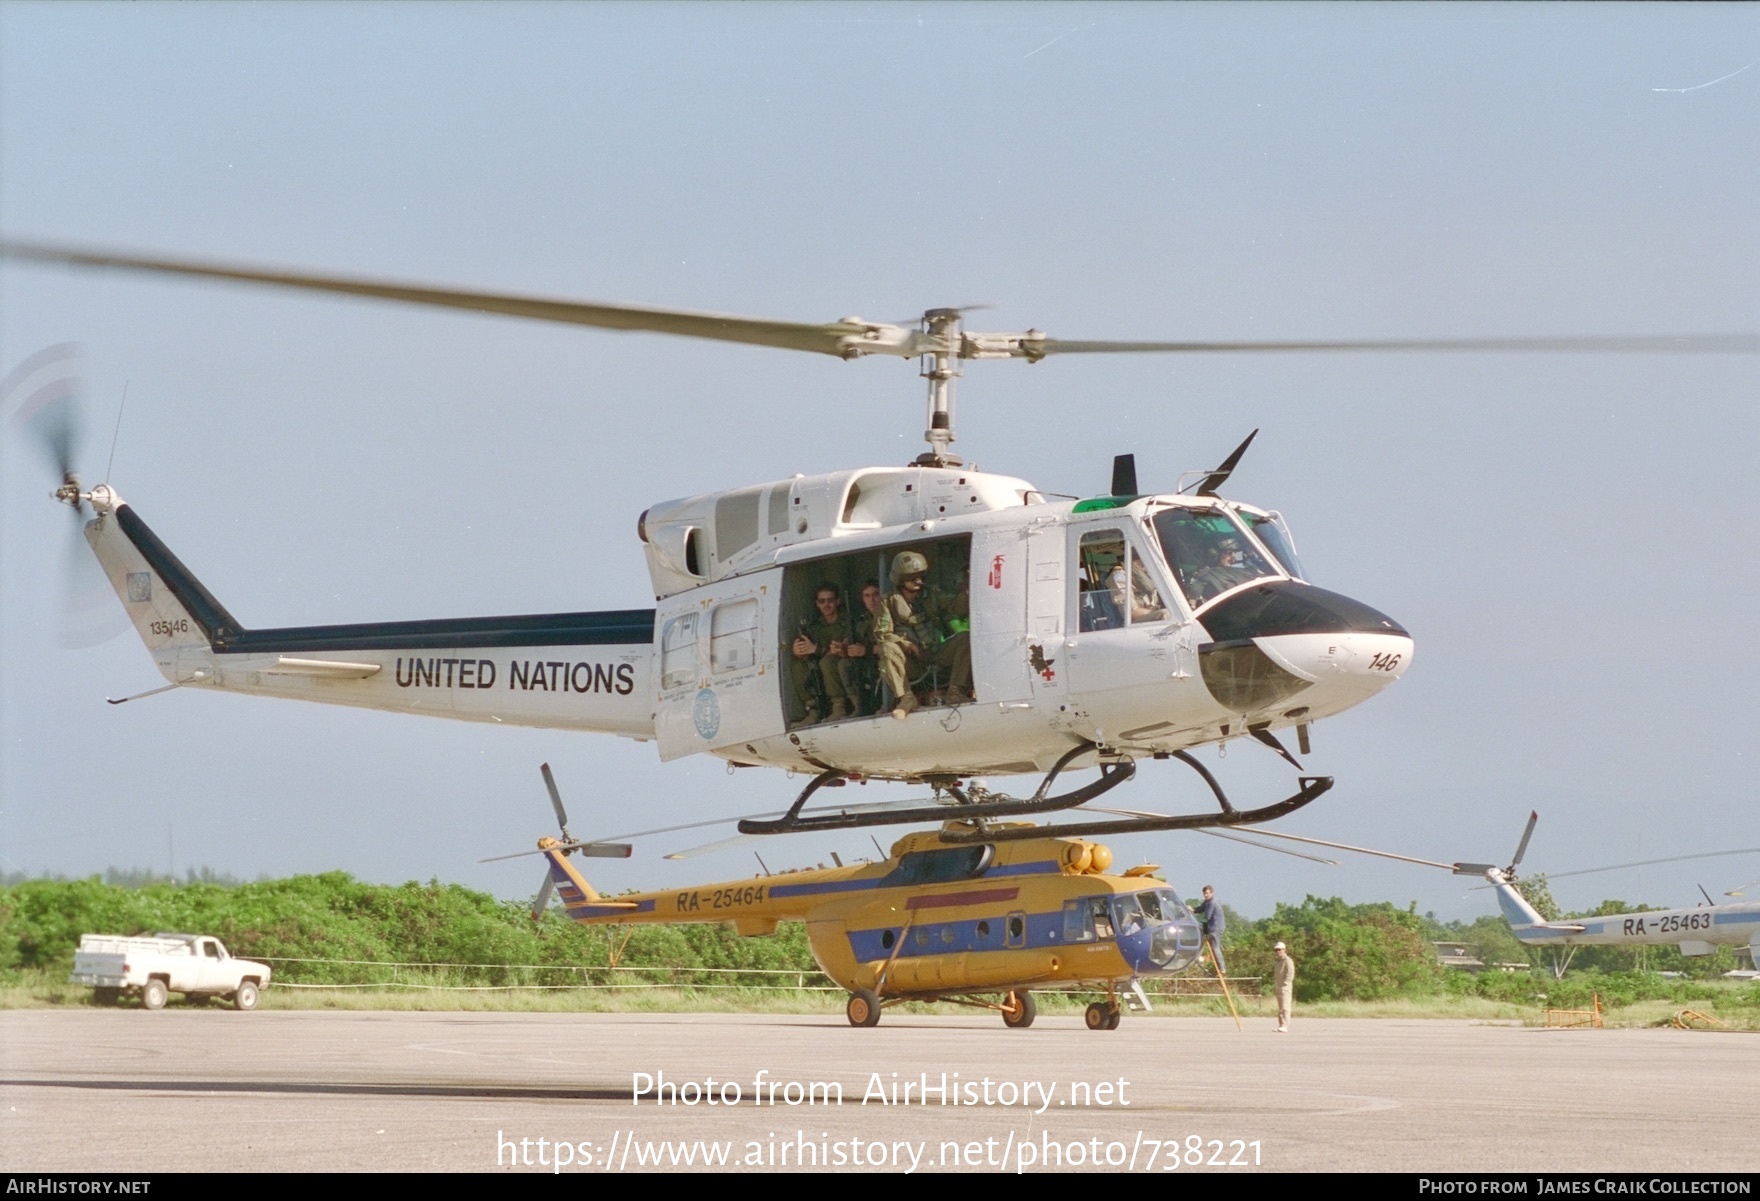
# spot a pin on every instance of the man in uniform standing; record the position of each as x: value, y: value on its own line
x: 1283, y: 979
x: 914, y: 632
x: 822, y: 650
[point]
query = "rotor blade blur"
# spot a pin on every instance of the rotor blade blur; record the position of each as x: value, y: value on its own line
x: 90, y: 612
x: 1635, y: 343
x: 1280, y: 850
x: 555, y: 800
x: 1590, y: 871
x: 838, y: 338
x: 41, y: 397
x: 706, y: 848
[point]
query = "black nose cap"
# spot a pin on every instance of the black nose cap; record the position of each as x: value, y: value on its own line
x: 1288, y: 607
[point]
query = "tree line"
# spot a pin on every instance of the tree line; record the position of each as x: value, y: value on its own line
x: 343, y: 928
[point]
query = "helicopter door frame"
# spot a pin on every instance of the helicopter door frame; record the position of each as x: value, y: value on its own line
x: 1108, y: 653
x: 716, y: 666
x: 1044, y: 651
x: 999, y: 615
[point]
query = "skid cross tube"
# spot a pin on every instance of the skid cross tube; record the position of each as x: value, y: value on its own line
x: 990, y: 805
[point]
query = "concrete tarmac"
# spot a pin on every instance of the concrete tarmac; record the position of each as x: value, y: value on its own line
x: 119, y: 1091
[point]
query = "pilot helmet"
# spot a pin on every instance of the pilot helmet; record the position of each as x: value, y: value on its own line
x: 908, y: 563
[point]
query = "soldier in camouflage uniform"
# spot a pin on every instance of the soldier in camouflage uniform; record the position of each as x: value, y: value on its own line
x: 864, y: 658
x: 820, y: 665
x: 914, y: 632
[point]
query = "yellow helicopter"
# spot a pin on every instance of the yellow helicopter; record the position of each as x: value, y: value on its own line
x: 925, y: 623
x: 976, y: 913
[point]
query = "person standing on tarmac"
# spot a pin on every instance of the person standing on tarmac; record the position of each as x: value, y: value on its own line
x: 1210, y: 916
x: 1283, y: 979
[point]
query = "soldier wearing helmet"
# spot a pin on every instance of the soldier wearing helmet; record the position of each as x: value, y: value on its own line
x: 914, y: 631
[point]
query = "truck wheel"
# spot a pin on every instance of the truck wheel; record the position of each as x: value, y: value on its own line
x: 153, y: 994
x: 246, y: 996
x: 106, y: 996
x: 863, y: 1008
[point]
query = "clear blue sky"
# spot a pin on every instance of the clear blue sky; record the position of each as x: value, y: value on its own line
x: 1570, y: 539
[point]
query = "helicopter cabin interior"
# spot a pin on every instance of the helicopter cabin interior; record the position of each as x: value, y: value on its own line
x: 843, y: 595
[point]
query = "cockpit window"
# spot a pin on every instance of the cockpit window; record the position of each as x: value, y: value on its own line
x: 1127, y: 913
x: 1270, y: 529
x: 1208, y: 552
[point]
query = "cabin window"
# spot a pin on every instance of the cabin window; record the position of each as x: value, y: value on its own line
x: 1102, y: 915
x: 1116, y: 587
x: 733, y: 636
x: 1017, y: 930
x: 678, y: 652
x: 1078, y: 921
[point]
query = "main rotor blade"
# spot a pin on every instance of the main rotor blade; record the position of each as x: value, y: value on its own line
x: 1633, y: 343
x: 845, y: 339
x: 556, y: 802
x: 1522, y: 847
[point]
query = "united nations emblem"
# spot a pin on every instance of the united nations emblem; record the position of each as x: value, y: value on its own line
x: 706, y: 713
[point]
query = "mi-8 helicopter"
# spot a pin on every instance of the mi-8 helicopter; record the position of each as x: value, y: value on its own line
x: 957, y: 914
x: 1048, y: 633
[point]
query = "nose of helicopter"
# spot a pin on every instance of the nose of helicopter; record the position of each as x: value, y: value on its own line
x: 1311, y: 637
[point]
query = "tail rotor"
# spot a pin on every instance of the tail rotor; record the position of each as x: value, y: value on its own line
x: 568, y: 846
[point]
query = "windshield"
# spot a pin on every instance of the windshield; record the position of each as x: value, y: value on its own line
x: 1270, y: 529
x: 1208, y: 552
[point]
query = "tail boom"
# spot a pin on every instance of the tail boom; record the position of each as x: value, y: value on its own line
x: 585, y: 671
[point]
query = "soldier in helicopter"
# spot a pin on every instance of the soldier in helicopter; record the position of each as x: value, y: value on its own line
x: 821, y: 666
x: 916, y: 631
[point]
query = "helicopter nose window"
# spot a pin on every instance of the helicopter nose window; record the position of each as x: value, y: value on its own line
x: 1271, y: 530
x: 1116, y: 587
x: 1208, y: 552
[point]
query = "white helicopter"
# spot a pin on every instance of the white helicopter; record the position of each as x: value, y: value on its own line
x: 1048, y: 633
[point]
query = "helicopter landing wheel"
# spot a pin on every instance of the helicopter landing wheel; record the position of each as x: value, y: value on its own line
x: 863, y: 1008
x: 1102, y: 1016
x: 1019, y: 1010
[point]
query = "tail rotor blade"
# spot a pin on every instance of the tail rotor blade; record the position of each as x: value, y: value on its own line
x: 543, y: 901
x: 556, y: 802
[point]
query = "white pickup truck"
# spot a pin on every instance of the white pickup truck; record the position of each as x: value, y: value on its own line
x: 193, y: 964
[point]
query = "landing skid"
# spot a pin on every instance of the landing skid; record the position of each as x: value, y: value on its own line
x: 1310, y: 788
x: 971, y: 803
